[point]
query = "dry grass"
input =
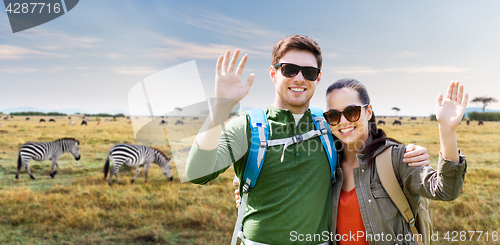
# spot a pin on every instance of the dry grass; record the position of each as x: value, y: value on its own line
x: 78, y: 207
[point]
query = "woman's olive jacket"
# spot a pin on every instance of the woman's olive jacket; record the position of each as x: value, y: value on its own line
x: 382, y: 220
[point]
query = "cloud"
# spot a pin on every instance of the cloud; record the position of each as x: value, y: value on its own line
x: 369, y: 70
x: 115, y: 56
x: 17, y: 70
x: 42, y: 44
x: 408, y: 54
x: 358, y: 70
x: 176, y: 49
x: 50, y: 40
x: 15, y: 52
x: 225, y: 25
x: 430, y: 69
x: 332, y: 56
x: 137, y: 71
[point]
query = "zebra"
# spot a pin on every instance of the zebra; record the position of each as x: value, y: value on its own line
x: 41, y: 151
x: 136, y: 156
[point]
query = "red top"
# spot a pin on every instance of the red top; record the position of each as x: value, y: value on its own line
x: 350, y: 228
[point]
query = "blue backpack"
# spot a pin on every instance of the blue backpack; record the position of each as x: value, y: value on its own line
x: 259, y: 143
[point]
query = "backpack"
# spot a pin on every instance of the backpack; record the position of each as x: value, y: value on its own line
x: 259, y: 142
x: 423, y: 221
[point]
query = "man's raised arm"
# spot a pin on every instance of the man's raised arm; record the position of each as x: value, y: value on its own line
x: 228, y: 92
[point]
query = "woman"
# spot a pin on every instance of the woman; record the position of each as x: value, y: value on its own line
x: 360, y: 204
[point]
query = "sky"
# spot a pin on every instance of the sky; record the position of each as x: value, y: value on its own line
x: 404, y: 52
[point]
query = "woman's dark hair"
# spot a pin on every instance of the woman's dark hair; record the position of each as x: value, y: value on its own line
x: 377, y: 134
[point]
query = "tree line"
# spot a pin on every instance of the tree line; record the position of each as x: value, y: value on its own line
x: 484, y: 116
x: 104, y: 115
x: 36, y: 113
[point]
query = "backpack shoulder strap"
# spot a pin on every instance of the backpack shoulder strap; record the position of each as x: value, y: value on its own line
x: 326, y: 137
x: 391, y: 185
x: 259, y: 128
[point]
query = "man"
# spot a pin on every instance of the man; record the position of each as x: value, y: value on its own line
x: 292, y: 198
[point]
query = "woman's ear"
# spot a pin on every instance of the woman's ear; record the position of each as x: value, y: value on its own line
x: 369, y: 111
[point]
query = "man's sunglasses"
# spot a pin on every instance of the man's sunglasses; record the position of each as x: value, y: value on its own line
x: 351, y: 113
x: 290, y: 70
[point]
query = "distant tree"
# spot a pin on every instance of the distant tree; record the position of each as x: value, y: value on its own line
x: 178, y: 109
x: 56, y: 114
x: 396, y: 110
x: 484, y: 100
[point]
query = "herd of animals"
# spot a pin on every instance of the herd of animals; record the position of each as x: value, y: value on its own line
x: 120, y: 154
x: 130, y: 155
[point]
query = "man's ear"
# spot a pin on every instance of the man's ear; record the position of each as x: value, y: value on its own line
x: 273, y: 74
x: 319, y: 78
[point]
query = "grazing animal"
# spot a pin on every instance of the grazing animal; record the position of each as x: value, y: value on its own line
x: 480, y: 123
x: 4, y: 131
x: 413, y: 118
x: 11, y: 116
x: 164, y: 122
x: 83, y: 123
x: 42, y: 120
x: 98, y: 122
x: 27, y: 119
x: 69, y: 117
x: 52, y: 120
x: 400, y: 118
x: 136, y: 156
x: 179, y: 122
x: 71, y: 123
x: 380, y: 122
x: 129, y: 122
x: 41, y: 151
x: 195, y: 118
x: 6, y: 118
x: 468, y: 122
x: 396, y: 122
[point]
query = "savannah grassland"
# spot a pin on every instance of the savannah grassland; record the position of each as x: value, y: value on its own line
x: 78, y: 206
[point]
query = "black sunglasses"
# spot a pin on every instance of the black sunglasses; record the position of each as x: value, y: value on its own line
x: 290, y: 70
x: 351, y: 113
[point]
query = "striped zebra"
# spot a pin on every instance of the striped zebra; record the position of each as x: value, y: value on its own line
x: 41, y: 151
x: 136, y: 156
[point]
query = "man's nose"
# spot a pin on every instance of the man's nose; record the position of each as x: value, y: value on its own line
x: 299, y: 77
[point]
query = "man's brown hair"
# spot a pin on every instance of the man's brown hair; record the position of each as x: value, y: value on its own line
x: 298, y: 42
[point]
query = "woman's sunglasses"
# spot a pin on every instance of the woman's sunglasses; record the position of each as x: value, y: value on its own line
x: 351, y: 113
x: 290, y: 70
